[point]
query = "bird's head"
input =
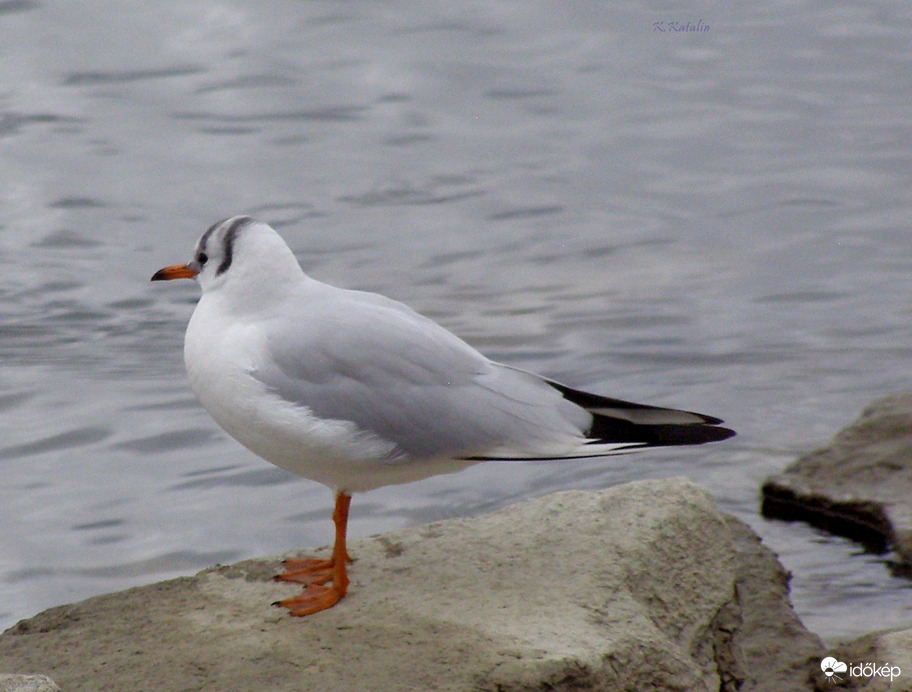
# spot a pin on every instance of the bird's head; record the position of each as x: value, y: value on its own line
x: 239, y: 252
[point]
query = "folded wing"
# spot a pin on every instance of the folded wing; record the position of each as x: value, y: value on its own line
x: 405, y: 379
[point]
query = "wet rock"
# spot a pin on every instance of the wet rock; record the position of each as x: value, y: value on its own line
x: 776, y: 652
x: 641, y: 586
x: 860, y: 485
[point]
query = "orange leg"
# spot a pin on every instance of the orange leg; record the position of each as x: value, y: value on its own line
x: 316, y: 574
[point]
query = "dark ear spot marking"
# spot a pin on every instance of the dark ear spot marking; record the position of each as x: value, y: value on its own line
x: 230, y: 235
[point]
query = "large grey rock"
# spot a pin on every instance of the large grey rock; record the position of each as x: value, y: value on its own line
x: 642, y: 586
x: 860, y: 485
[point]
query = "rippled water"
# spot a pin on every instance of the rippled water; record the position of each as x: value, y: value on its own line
x: 714, y: 220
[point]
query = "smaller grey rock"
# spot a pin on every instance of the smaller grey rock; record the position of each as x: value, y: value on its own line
x: 27, y: 683
x: 860, y: 485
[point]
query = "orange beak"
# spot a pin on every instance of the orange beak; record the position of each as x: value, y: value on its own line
x: 175, y: 271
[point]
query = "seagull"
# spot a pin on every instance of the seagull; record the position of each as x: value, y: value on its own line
x: 357, y: 391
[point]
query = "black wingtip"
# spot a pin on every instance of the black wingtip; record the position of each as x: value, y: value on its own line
x: 614, y: 430
x: 672, y: 435
x: 632, y: 422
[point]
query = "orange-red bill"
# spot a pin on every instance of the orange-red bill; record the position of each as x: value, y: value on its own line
x: 175, y: 271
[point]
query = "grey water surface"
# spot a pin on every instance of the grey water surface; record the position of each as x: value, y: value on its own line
x: 714, y: 219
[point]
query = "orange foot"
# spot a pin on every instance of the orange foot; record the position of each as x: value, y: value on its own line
x: 312, y: 600
x: 308, y: 570
x: 316, y: 574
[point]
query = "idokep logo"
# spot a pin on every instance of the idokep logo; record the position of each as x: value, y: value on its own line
x: 831, y: 667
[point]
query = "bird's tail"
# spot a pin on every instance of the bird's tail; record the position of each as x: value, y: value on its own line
x: 615, y: 421
x: 619, y: 427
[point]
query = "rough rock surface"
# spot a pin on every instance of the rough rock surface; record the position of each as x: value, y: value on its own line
x: 641, y: 586
x: 860, y: 485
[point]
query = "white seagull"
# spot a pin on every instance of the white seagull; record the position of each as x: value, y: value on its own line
x: 357, y: 391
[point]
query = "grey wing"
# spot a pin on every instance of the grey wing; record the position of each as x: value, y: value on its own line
x: 406, y: 379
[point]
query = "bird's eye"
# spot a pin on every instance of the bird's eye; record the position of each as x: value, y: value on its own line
x: 202, y: 258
